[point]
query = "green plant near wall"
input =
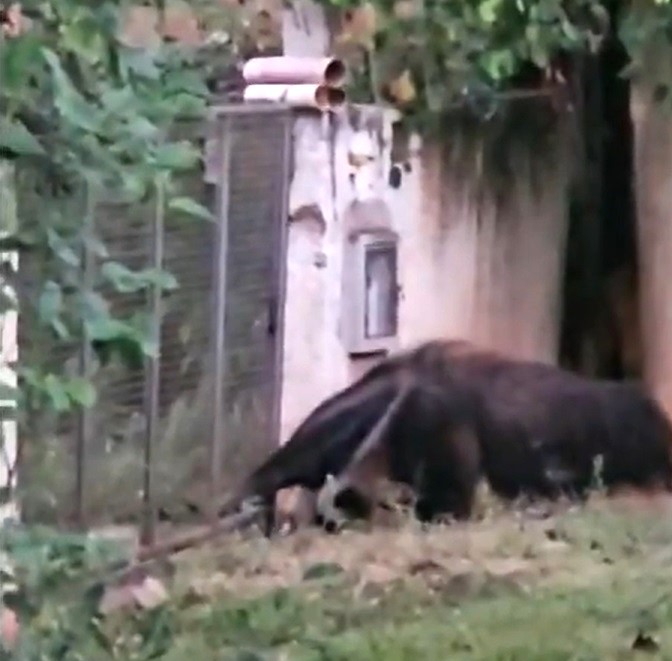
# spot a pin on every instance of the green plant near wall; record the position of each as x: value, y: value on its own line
x: 85, y: 116
x: 427, y: 56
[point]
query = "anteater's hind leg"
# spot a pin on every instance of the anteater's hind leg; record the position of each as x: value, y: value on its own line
x: 448, y: 476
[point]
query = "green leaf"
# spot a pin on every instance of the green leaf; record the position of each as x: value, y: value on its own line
x: 81, y: 392
x: 60, y: 329
x: 81, y: 37
x: 135, y: 186
x: 63, y: 251
x: 92, y: 306
x: 122, y: 278
x: 498, y: 64
x: 55, y: 389
x: 185, y: 81
x: 15, y: 137
x: 537, y: 52
x: 163, y: 279
x: 570, y: 32
x: 142, y: 323
x: 176, y: 156
x: 96, y: 246
x: 104, y: 329
x: 142, y: 129
x: 50, y: 303
x: 69, y: 102
x: 487, y: 10
x: 139, y: 62
x: 126, y: 281
x: 119, y: 100
x: 18, y: 59
x: 186, y: 105
x: 190, y: 207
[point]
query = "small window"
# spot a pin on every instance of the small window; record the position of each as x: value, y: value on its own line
x: 372, y: 291
x: 380, y: 307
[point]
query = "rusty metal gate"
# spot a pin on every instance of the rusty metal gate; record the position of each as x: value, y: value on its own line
x: 166, y: 436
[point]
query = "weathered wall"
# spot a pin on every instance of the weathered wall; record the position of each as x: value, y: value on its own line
x: 326, y: 203
x: 476, y: 259
x: 496, y: 239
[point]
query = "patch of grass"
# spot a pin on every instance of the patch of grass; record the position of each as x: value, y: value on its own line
x: 593, y: 584
x: 581, y: 584
x: 492, y: 622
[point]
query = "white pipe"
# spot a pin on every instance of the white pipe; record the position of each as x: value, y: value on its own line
x: 294, y: 71
x: 308, y: 96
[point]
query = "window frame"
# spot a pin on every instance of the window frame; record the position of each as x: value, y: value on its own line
x: 358, y: 245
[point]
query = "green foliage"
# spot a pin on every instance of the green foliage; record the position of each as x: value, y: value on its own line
x: 85, y: 117
x: 473, y: 52
x: 53, y: 583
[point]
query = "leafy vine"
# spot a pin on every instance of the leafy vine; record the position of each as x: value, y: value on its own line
x: 84, y: 116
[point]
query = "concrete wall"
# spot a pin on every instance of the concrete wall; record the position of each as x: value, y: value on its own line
x: 329, y: 197
x: 472, y: 263
x: 476, y: 260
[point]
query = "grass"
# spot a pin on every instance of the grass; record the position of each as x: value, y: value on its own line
x: 594, y: 583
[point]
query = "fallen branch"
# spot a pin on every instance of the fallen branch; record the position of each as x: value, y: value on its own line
x: 123, y: 570
x: 193, y: 538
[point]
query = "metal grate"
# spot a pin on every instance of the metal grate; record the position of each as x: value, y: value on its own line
x: 171, y: 431
x: 185, y: 383
x: 113, y: 432
x: 255, y: 148
x: 48, y: 441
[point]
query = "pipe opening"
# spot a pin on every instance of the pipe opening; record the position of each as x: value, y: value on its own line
x: 334, y: 73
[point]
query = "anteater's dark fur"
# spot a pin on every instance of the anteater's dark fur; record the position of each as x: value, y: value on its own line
x: 528, y: 427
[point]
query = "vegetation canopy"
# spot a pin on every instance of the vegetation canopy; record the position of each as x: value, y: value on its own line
x: 427, y: 56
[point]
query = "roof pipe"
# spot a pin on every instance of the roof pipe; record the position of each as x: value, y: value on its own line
x: 321, y: 97
x: 288, y: 70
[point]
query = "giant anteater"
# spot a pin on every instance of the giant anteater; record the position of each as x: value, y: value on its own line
x: 453, y: 413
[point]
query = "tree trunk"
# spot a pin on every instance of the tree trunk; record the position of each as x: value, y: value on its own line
x: 652, y: 123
